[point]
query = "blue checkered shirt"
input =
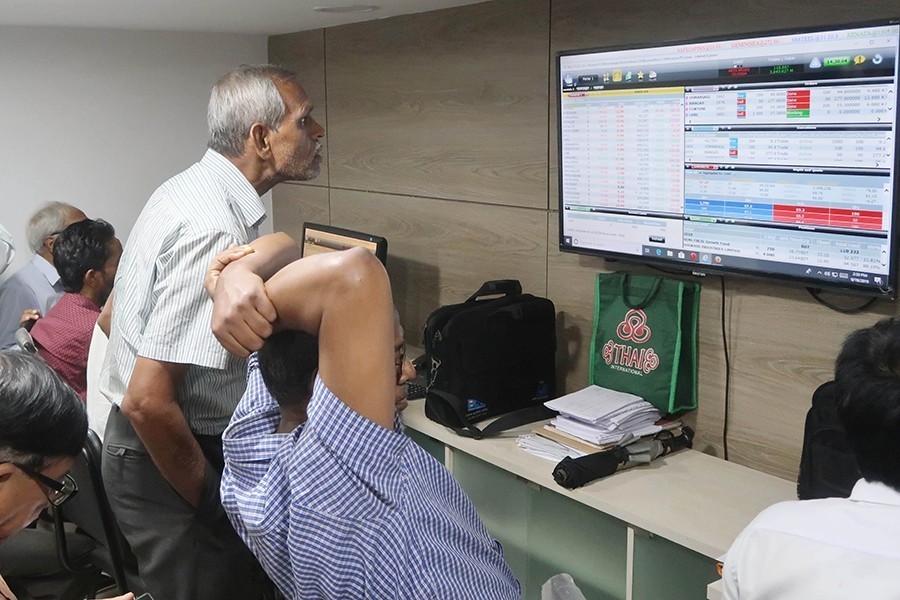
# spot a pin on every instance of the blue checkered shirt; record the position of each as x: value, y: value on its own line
x: 344, y: 508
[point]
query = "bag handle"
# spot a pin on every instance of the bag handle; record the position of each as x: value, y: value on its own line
x: 508, y: 421
x: 651, y: 294
x: 506, y: 287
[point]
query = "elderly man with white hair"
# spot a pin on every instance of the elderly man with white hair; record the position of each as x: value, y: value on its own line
x: 36, y: 285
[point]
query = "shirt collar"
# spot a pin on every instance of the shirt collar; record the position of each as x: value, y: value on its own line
x: 45, y: 268
x: 243, y: 195
x: 80, y: 301
x: 875, y: 492
x: 368, y: 449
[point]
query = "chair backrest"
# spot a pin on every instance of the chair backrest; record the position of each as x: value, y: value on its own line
x: 89, y: 509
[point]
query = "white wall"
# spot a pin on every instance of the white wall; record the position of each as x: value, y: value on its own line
x: 100, y: 118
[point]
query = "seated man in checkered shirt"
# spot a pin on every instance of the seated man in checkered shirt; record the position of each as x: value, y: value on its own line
x: 347, y: 506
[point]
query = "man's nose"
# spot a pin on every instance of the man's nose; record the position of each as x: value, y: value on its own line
x: 407, y: 372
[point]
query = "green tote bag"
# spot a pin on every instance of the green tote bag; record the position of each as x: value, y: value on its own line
x: 645, y: 338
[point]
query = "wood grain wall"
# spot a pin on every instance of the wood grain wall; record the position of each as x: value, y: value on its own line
x: 441, y: 136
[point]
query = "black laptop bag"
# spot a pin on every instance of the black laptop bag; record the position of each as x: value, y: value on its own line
x: 491, y: 356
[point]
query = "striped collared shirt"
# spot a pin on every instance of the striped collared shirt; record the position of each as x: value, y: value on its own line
x: 162, y: 311
x: 343, y: 508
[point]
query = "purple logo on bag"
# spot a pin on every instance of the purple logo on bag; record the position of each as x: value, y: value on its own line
x: 633, y: 328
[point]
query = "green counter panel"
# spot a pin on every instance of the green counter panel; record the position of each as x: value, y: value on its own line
x: 544, y: 533
x: 663, y: 569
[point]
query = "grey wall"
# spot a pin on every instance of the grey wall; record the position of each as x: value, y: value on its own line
x: 100, y: 118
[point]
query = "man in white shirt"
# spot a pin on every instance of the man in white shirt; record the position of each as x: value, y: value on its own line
x: 172, y: 385
x: 838, y: 547
x: 36, y: 285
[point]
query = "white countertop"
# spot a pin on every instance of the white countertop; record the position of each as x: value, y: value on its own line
x: 695, y: 500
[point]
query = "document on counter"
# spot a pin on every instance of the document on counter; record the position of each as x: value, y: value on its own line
x: 545, y: 448
x: 595, y: 403
x: 602, y: 416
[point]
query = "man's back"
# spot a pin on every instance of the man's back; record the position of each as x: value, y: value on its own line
x: 162, y: 311
x: 31, y: 287
x: 370, y: 513
x: 830, y: 548
x: 63, y: 338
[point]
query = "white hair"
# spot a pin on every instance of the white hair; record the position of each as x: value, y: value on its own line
x: 241, y: 98
x: 49, y: 219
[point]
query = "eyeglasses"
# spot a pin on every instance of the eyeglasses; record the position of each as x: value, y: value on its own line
x: 59, y: 491
x: 400, y: 355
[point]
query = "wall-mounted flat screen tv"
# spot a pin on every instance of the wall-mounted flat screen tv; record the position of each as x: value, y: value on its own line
x: 770, y: 154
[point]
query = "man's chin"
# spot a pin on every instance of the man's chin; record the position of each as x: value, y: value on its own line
x: 307, y: 174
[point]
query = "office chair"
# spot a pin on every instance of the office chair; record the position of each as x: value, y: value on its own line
x: 90, y: 511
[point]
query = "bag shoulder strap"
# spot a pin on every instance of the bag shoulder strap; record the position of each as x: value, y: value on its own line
x: 506, y: 287
x: 508, y: 421
x: 648, y: 298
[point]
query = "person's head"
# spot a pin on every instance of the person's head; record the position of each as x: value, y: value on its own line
x: 47, y: 223
x: 261, y: 112
x: 289, y: 359
x: 288, y: 362
x: 86, y: 256
x: 43, y: 426
x: 867, y: 372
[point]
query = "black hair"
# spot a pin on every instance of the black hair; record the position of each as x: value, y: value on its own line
x: 41, y: 417
x: 867, y: 372
x: 287, y: 362
x: 80, y: 247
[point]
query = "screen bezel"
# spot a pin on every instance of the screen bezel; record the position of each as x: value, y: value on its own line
x: 700, y: 269
x: 355, y: 238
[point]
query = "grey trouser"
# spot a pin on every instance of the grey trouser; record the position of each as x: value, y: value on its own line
x: 183, y: 553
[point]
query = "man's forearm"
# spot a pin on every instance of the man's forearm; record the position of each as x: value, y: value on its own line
x: 151, y: 405
x: 270, y: 253
x: 235, y: 283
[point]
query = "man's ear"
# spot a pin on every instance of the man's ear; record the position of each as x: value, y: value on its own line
x: 91, y: 279
x: 49, y: 242
x: 259, y: 140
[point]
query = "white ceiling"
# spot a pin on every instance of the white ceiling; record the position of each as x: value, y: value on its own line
x: 267, y: 17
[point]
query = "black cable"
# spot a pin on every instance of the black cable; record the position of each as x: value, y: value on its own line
x: 847, y: 310
x: 727, y: 377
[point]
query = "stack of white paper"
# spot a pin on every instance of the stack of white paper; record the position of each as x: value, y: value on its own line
x: 544, y: 448
x: 602, y: 416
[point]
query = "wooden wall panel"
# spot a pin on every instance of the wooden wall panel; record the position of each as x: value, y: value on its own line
x: 783, y: 346
x: 294, y: 204
x: 446, y: 104
x: 440, y: 252
x: 304, y: 54
x: 570, y: 281
x: 439, y: 130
